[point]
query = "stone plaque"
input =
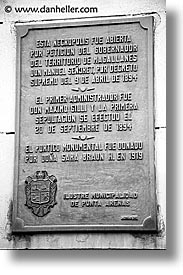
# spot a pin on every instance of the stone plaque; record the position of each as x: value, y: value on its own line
x: 84, y: 155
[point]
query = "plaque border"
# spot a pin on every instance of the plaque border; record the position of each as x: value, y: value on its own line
x: 150, y: 223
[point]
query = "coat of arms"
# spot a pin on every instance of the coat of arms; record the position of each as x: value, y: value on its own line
x: 40, y: 191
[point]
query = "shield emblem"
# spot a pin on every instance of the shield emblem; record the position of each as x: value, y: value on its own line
x: 40, y: 191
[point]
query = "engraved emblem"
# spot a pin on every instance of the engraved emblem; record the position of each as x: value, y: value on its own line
x: 40, y: 191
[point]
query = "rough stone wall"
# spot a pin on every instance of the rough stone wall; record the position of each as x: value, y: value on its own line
x: 7, y: 129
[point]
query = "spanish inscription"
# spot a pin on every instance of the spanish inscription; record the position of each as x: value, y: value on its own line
x: 86, y: 116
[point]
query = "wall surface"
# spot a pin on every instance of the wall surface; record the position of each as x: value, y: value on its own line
x: 7, y: 129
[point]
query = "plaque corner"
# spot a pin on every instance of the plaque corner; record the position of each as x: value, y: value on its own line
x: 146, y: 22
x: 149, y: 224
x: 22, y: 31
x: 18, y: 225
